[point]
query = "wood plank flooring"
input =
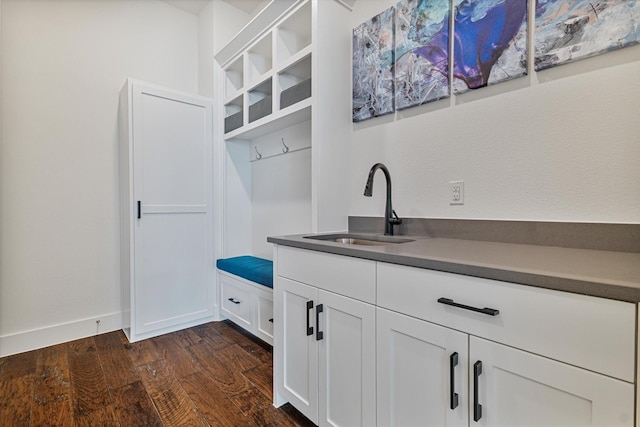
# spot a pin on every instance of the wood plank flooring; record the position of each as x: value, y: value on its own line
x: 210, y: 375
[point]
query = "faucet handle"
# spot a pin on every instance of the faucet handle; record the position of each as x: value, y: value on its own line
x: 395, y: 220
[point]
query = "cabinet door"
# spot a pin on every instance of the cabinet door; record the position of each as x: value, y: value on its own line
x: 422, y: 373
x: 296, y: 348
x: 516, y: 388
x: 172, y: 176
x: 347, y: 361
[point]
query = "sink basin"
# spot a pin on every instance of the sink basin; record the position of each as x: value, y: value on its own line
x: 359, y: 239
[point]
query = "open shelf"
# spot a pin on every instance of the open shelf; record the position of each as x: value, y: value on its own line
x: 260, y: 59
x: 294, y: 82
x: 260, y: 100
x: 293, y: 34
x: 268, y: 83
x: 233, y: 114
x: 234, y: 78
x: 278, y: 120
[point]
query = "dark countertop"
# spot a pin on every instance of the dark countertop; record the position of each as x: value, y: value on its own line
x: 607, y: 274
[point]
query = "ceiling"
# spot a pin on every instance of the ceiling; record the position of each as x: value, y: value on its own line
x: 196, y: 6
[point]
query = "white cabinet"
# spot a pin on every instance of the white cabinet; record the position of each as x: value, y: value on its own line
x: 422, y: 373
x: 166, y: 213
x: 247, y: 304
x: 516, y: 388
x: 497, y: 384
x: 369, y: 343
x: 324, y: 344
x: 429, y: 375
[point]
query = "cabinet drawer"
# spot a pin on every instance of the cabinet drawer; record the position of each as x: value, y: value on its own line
x: 593, y: 333
x: 265, y: 316
x: 351, y: 277
x: 236, y: 302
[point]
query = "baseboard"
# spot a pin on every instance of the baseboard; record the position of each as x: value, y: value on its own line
x: 56, y: 334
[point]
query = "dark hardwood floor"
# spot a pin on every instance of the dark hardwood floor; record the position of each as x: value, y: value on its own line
x: 210, y: 375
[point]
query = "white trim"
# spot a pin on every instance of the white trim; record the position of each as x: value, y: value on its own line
x: 56, y: 334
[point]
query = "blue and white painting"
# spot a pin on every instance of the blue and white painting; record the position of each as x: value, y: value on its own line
x: 569, y: 30
x: 422, y: 51
x: 373, y: 58
x: 490, y: 42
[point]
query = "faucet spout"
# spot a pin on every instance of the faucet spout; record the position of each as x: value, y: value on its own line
x: 390, y: 216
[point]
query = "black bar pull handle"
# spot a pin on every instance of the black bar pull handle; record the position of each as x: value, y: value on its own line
x: 453, y: 362
x: 139, y: 209
x: 486, y: 310
x: 319, y: 333
x: 234, y: 301
x: 477, y: 407
x: 309, y: 327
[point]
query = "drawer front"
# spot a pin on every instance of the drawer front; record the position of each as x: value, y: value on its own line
x: 236, y: 302
x: 593, y: 333
x: 348, y: 276
x: 265, y: 316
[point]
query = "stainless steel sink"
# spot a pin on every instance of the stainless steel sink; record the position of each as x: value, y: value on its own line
x: 359, y: 239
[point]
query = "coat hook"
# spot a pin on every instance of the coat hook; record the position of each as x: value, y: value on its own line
x: 258, y: 155
x: 285, y: 149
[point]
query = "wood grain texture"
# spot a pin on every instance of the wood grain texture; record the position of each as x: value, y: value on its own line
x: 52, y: 375
x: 186, y: 338
x: 262, y: 378
x: 179, y: 360
x: 213, y: 403
x: 89, y: 389
x: 116, y: 363
x: 16, y: 398
x: 102, y: 417
x: 133, y: 407
x: 56, y: 413
x: 225, y: 366
x: 211, y: 375
x: 173, y: 403
x: 143, y: 352
x: 17, y: 365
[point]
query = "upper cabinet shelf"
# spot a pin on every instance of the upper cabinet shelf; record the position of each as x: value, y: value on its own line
x: 293, y: 34
x: 270, y: 79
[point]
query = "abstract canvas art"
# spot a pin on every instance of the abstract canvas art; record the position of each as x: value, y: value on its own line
x: 569, y: 30
x: 373, y: 58
x: 422, y: 52
x: 490, y: 42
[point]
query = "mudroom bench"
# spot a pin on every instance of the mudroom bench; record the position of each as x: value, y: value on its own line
x: 245, y: 286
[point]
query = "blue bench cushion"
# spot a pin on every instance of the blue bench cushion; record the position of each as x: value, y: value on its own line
x: 255, y: 269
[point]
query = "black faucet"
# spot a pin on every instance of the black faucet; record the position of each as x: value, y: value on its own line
x: 390, y: 216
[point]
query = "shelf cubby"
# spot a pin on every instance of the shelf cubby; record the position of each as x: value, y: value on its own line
x: 233, y: 114
x: 234, y: 78
x: 293, y: 34
x: 294, y: 83
x: 260, y: 100
x: 260, y: 59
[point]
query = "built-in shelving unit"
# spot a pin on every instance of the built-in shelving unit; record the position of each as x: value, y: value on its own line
x: 284, y: 147
x: 270, y: 80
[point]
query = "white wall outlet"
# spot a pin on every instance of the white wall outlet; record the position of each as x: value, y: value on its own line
x: 456, y: 193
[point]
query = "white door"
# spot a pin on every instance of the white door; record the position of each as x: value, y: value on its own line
x: 172, y: 193
x: 297, y: 363
x: 347, y: 372
x: 422, y: 373
x: 517, y: 389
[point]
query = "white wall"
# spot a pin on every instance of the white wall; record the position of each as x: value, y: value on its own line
x: 558, y: 145
x: 280, y: 187
x: 64, y: 64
